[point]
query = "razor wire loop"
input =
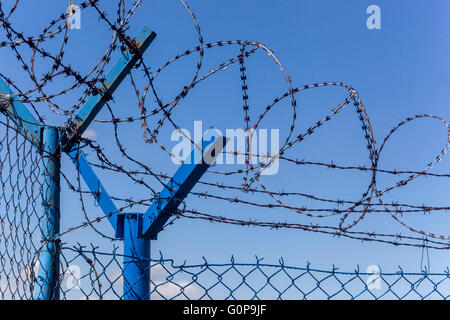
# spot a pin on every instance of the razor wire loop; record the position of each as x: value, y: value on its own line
x: 350, y: 212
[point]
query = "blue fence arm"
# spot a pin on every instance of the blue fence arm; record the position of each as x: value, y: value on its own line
x: 113, y: 79
x: 179, y: 187
x: 26, y: 123
x: 95, y: 186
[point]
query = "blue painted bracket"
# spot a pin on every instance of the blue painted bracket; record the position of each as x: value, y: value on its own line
x: 96, y: 187
x: 34, y: 131
x: 113, y: 79
x: 31, y: 128
x: 19, y: 114
x: 179, y: 187
x: 151, y: 222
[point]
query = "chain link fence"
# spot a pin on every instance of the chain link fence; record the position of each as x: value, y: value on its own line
x: 20, y: 213
x: 97, y: 271
x: 90, y: 274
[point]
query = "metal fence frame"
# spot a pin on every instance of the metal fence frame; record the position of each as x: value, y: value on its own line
x: 135, y: 229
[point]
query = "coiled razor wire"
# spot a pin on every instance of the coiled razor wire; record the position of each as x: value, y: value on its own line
x: 20, y: 163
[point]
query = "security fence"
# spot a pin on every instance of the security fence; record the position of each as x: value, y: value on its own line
x: 90, y: 274
x: 38, y: 258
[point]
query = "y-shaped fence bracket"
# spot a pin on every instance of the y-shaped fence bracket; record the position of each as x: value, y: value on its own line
x: 50, y: 141
x: 137, y: 229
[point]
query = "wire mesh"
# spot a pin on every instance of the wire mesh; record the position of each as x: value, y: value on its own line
x: 99, y: 275
x: 20, y: 214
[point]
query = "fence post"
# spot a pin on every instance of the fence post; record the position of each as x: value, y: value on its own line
x: 136, y: 260
x: 47, y: 281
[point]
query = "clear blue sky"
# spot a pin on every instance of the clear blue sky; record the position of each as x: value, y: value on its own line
x: 399, y: 71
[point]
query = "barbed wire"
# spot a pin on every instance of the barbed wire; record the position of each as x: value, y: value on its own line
x: 156, y: 113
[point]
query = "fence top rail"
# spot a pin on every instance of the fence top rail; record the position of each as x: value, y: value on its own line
x: 258, y: 263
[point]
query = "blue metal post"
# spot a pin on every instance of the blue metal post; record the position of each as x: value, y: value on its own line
x: 47, y: 282
x: 136, y: 270
x: 136, y: 261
